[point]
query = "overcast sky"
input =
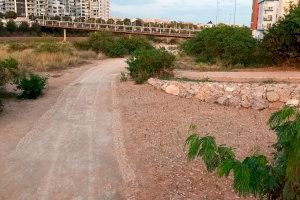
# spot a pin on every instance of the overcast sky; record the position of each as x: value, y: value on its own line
x: 183, y: 10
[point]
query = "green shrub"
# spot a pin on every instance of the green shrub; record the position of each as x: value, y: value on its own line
x: 279, y: 179
x: 8, y: 70
x: 226, y: 44
x: 112, y: 46
x: 11, y: 26
x: 149, y: 62
x: 82, y: 45
x: 35, y: 28
x: 282, y: 41
x: 32, y: 85
x: 24, y: 27
x: 54, y: 47
x: 134, y: 43
x: 101, y: 41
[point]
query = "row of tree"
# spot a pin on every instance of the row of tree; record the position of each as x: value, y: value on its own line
x: 23, y: 28
x: 8, y: 15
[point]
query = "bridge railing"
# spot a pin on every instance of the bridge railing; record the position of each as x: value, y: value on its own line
x: 121, y: 28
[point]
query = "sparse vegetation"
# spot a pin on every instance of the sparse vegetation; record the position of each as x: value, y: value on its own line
x: 32, y: 85
x: 45, y: 54
x: 255, y: 175
x: 149, y: 62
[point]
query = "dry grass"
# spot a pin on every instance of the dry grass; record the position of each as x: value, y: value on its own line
x: 185, y: 62
x: 30, y: 59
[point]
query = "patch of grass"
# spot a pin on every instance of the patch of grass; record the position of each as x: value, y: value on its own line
x: 51, y: 57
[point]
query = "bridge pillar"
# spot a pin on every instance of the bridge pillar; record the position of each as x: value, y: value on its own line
x: 65, y: 35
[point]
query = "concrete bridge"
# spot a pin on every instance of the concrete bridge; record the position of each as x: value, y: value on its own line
x: 122, y: 29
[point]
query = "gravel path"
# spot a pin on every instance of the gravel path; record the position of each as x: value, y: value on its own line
x: 69, y: 152
x: 288, y: 76
x: 156, y: 127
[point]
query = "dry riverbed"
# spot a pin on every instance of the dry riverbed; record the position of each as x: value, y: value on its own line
x: 155, y: 127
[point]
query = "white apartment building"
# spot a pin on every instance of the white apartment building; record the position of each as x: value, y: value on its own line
x: 269, y: 12
x: 73, y: 8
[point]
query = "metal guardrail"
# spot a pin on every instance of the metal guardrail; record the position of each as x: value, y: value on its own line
x: 126, y: 29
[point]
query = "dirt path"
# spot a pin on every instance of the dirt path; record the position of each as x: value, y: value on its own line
x: 68, y: 153
x: 287, y: 76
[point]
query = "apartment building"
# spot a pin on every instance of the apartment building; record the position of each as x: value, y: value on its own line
x: 267, y: 12
x: 73, y: 8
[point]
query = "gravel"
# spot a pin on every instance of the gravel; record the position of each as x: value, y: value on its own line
x: 155, y: 127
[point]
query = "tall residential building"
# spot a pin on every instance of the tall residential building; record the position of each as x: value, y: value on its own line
x: 269, y: 12
x: 73, y: 8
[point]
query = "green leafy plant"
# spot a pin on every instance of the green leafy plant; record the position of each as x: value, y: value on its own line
x: 11, y: 26
x: 223, y: 44
x: 146, y: 63
x: 54, y: 47
x: 8, y: 70
x: 32, y: 85
x: 282, y: 42
x: 113, y: 46
x: 255, y: 175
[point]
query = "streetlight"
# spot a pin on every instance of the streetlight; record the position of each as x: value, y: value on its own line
x: 217, y: 17
x: 234, y: 17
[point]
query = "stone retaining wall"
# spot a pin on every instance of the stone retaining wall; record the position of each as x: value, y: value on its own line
x: 258, y: 96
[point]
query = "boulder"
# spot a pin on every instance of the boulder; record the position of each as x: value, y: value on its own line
x: 172, y: 89
x: 272, y: 96
x: 293, y: 102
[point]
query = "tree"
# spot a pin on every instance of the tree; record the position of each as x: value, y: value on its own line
x: 225, y: 44
x: 91, y: 20
x: 110, y: 21
x: 35, y: 28
x: 11, y: 26
x: 255, y: 175
x: 127, y: 21
x: 100, y: 21
x: 10, y: 15
x: 282, y: 41
x: 67, y: 18
x: 139, y: 22
x: 1, y: 15
x: 24, y: 27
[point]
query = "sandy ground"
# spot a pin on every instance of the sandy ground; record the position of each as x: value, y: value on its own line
x: 61, y: 146
x: 155, y: 127
x: 91, y: 137
x: 242, y: 76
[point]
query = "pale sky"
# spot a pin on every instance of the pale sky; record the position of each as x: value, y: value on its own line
x: 200, y: 11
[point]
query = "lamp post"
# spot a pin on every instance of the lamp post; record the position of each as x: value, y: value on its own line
x: 234, y: 17
x: 217, y: 16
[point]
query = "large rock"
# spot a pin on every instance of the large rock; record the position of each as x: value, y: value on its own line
x: 293, y: 102
x: 172, y: 89
x: 260, y: 104
x: 272, y: 96
x: 222, y: 100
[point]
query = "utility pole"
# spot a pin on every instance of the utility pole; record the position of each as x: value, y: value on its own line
x: 217, y: 17
x: 234, y: 17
